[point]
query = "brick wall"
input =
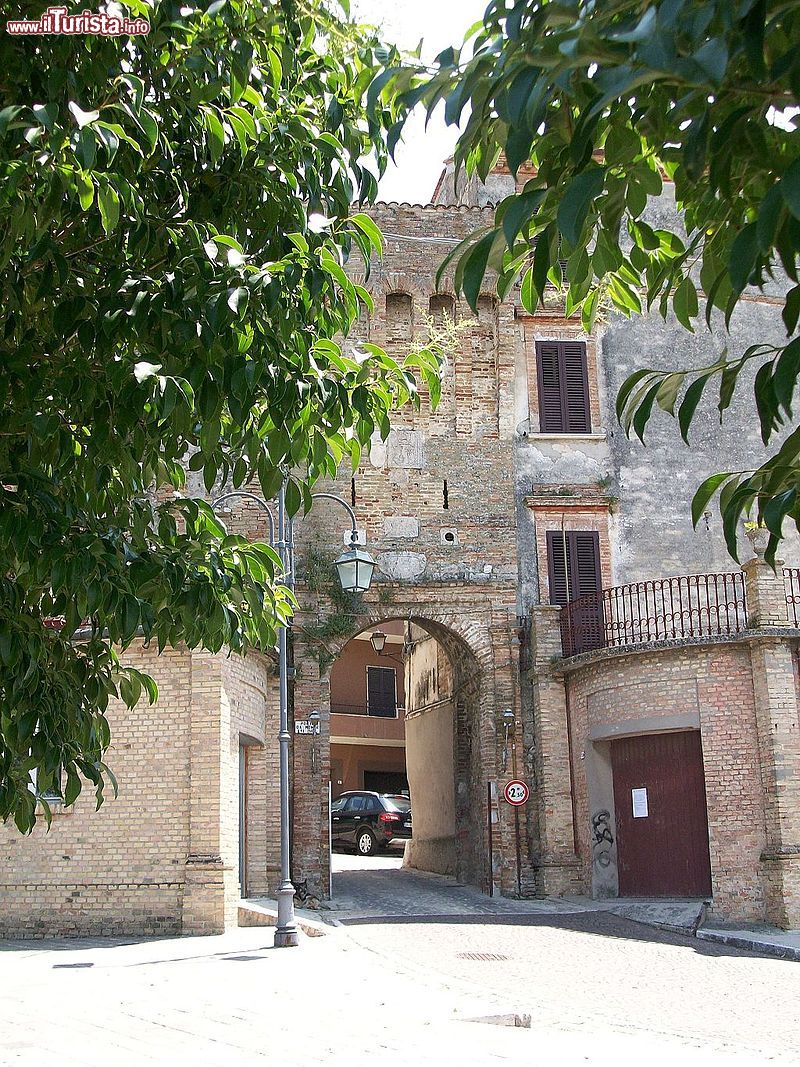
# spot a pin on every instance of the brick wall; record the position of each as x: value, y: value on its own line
x: 163, y: 856
x: 119, y: 870
x: 715, y: 683
x: 250, y: 692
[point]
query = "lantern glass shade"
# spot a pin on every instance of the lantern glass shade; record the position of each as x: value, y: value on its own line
x: 378, y: 640
x: 355, y: 567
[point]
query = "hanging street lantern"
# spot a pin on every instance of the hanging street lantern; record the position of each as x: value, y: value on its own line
x: 355, y: 567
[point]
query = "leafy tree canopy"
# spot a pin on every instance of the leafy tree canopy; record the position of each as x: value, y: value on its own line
x: 174, y: 219
x: 607, y: 99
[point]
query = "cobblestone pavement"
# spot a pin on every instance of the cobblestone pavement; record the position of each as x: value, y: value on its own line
x: 600, y: 990
x: 378, y: 886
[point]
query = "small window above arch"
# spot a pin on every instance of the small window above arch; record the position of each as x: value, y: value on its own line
x: 398, y: 314
x: 441, y: 305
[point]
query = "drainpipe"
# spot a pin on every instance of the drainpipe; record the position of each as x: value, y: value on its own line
x: 571, y: 775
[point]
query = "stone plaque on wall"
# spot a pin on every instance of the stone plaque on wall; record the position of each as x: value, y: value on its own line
x: 400, y: 526
x: 405, y: 448
x: 402, y: 564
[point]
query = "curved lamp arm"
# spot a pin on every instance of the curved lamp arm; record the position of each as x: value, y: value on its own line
x: 242, y: 495
x: 348, y: 509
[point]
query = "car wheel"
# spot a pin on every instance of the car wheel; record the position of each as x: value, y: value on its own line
x: 365, y: 843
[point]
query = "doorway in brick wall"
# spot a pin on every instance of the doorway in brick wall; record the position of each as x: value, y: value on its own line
x: 661, y: 816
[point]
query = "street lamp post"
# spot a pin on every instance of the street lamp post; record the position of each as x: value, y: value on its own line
x: 355, y: 567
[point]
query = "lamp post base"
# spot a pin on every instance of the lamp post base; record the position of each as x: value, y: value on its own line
x: 286, y: 939
x: 286, y: 934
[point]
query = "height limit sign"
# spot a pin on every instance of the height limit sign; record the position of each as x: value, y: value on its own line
x: 516, y: 793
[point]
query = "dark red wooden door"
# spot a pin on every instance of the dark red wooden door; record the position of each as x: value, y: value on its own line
x: 662, y: 820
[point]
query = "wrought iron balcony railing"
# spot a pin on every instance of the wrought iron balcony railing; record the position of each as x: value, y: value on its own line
x: 689, y: 605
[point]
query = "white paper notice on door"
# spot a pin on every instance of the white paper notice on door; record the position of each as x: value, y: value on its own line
x: 639, y: 797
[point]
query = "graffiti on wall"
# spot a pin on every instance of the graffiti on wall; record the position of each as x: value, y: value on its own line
x: 603, y: 838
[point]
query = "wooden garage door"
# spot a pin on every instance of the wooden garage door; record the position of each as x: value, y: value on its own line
x: 662, y: 821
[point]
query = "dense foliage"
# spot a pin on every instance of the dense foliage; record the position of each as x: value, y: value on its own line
x: 605, y: 101
x: 175, y: 214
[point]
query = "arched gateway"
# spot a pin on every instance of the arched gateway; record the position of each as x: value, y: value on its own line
x: 456, y: 674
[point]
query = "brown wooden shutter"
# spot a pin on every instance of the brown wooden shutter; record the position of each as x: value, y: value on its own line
x: 583, y: 564
x: 381, y: 691
x: 551, y: 408
x: 557, y: 572
x: 563, y: 387
x: 586, y: 554
x: 582, y: 628
x: 575, y: 387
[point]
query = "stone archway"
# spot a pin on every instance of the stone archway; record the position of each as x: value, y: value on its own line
x: 477, y: 686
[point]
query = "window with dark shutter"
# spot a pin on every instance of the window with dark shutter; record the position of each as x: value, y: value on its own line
x: 574, y: 567
x: 563, y: 387
x: 573, y: 564
x: 382, y: 692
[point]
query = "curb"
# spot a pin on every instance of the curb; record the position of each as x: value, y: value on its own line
x: 765, y: 948
x: 257, y: 915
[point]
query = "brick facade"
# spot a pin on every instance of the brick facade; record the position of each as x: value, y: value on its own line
x: 740, y: 692
x: 162, y: 857
x: 456, y: 506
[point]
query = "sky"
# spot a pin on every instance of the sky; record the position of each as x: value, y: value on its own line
x: 438, y: 23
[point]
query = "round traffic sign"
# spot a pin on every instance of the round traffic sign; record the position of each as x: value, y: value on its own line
x: 516, y: 793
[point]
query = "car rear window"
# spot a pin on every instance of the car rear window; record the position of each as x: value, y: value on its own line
x: 401, y: 804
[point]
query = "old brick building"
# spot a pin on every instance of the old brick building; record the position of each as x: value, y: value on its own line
x: 655, y: 721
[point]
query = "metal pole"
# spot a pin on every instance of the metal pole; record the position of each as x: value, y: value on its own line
x: 286, y: 934
x: 491, y: 843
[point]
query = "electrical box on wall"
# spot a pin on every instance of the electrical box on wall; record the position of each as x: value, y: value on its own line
x: 448, y: 535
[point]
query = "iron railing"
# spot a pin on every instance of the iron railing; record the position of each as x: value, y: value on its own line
x: 362, y: 709
x: 690, y: 605
x: 791, y: 581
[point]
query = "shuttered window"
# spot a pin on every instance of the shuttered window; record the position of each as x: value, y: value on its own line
x: 382, y: 692
x: 581, y: 554
x: 573, y: 560
x: 563, y: 387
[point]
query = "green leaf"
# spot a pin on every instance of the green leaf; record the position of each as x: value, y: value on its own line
x: 791, y: 310
x: 790, y: 188
x: 574, y: 206
x: 787, y: 370
x: 528, y: 294
x: 216, y: 135
x: 7, y: 116
x: 73, y: 787
x: 144, y: 370
x: 85, y: 190
x: 370, y: 230
x: 704, y: 494
x: 82, y: 118
x: 743, y: 257
x: 517, y: 210
x: 475, y: 269
x: 684, y: 303
x: 627, y: 389
x: 108, y: 202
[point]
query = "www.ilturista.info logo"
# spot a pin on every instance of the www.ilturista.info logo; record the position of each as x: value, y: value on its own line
x: 55, y: 20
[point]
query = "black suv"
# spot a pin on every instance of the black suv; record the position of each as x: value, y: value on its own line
x: 368, y: 820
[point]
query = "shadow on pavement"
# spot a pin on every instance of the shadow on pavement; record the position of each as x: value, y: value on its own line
x: 601, y: 924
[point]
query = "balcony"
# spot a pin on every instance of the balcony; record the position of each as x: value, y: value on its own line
x: 665, y: 609
x: 361, y: 709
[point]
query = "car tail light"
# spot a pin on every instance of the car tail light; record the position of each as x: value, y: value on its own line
x: 388, y: 816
